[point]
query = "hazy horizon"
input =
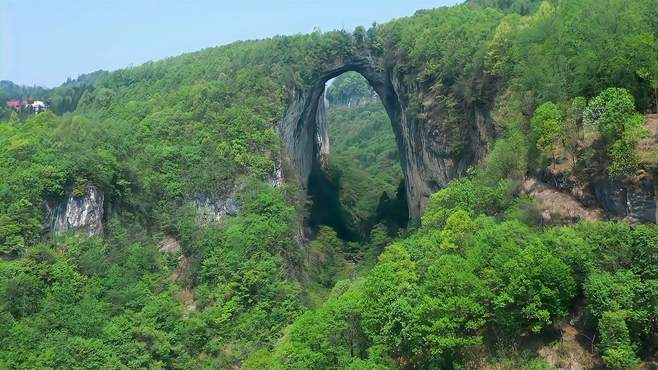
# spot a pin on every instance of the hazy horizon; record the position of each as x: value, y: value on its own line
x: 44, y: 43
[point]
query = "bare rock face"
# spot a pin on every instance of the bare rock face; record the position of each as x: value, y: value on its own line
x: 169, y: 245
x: 77, y: 213
x: 276, y: 177
x: 632, y: 199
x: 211, y: 207
x: 558, y: 207
x: 425, y: 136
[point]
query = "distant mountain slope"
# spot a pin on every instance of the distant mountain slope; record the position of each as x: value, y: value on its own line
x: 9, y: 90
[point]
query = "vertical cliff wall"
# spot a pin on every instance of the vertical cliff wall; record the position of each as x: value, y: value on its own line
x: 77, y: 212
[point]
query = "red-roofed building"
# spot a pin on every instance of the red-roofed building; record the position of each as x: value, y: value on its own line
x: 14, y: 104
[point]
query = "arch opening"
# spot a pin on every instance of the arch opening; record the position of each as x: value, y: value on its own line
x: 356, y: 180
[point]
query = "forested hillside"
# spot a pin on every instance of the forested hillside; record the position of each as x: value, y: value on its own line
x: 153, y: 217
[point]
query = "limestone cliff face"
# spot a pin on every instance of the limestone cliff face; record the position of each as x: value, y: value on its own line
x: 83, y: 213
x: 211, y: 207
x: 440, y: 143
x: 631, y: 199
x: 425, y: 135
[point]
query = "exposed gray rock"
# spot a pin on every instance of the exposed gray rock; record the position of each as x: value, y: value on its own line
x: 169, y: 245
x: 633, y: 199
x: 77, y: 213
x: 558, y: 207
x: 276, y: 177
x: 322, y: 132
x: 566, y: 183
x: 212, y: 207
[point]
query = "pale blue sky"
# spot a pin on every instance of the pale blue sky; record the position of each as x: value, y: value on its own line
x: 45, y: 41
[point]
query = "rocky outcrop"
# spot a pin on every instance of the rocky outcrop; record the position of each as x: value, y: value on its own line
x: 83, y: 213
x: 580, y: 190
x: 169, y: 245
x: 633, y: 199
x: 426, y: 140
x: 211, y: 207
x: 557, y: 207
x: 276, y: 177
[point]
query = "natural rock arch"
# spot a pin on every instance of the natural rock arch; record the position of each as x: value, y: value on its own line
x: 425, y: 155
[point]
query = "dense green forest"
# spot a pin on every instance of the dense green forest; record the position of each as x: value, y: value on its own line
x: 479, y: 276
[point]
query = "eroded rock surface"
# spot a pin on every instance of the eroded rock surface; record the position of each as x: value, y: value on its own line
x: 169, y: 245
x: 633, y: 199
x: 558, y: 207
x: 276, y: 177
x: 211, y: 207
x: 77, y: 212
